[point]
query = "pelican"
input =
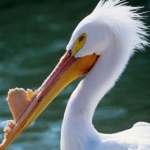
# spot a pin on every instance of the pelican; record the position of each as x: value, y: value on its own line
x: 100, y: 46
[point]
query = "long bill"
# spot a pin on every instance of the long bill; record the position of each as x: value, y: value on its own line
x: 68, y: 69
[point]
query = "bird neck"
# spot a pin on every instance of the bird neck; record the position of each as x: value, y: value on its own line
x: 77, y: 126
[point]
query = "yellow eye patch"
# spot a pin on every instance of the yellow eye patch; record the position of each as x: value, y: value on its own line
x: 79, y: 43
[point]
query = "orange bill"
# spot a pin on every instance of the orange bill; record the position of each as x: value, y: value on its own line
x: 26, y: 106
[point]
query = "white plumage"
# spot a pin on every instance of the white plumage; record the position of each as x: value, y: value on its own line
x: 114, y: 31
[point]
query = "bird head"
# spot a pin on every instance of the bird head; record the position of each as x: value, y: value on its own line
x: 90, y: 36
x: 111, y: 24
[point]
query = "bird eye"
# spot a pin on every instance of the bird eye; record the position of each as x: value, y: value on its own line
x: 81, y: 38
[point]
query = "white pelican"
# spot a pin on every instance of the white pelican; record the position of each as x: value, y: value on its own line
x: 100, y: 46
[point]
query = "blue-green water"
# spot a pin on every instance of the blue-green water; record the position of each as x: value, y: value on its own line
x: 33, y: 37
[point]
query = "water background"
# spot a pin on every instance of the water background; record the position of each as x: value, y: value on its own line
x: 33, y: 37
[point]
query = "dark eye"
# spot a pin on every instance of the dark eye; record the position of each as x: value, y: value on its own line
x: 81, y: 38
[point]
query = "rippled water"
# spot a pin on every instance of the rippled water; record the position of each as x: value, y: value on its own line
x: 33, y: 37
